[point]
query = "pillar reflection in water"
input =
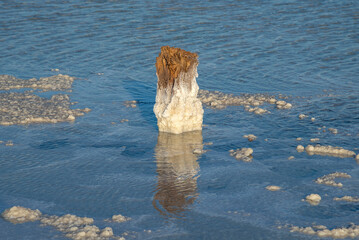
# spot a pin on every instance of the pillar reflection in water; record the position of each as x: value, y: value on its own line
x: 177, y: 170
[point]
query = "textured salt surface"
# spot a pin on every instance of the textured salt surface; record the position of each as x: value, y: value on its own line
x: 250, y: 137
x: 273, y: 188
x: 19, y: 214
x: 219, y: 100
x: 119, y: 218
x: 329, y: 179
x: 322, y: 231
x: 244, y: 154
x: 54, y: 83
x: 74, y: 227
x: 347, y: 199
x: 328, y: 151
x: 25, y: 108
x: 313, y: 199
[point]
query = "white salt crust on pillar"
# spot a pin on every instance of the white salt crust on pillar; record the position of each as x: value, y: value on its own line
x: 177, y: 107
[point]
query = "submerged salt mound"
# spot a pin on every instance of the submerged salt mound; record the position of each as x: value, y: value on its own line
x: 19, y: 214
x: 120, y: 218
x: 219, y: 100
x: 177, y: 107
x: 322, y: 231
x: 25, y: 108
x: 54, y: 83
x: 329, y: 151
x: 273, y: 188
x: 250, y: 137
x: 347, y: 199
x: 313, y: 199
x: 77, y: 227
x: 244, y: 154
x: 329, y: 179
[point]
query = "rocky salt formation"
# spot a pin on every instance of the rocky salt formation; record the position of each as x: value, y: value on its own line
x: 19, y: 214
x: 74, y: 227
x: 244, y: 154
x: 329, y: 179
x: 329, y: 151
x: 120, y: 218
x: 177, y: 107
x: 54, y: 83
x: 250, y: 137
x: 313, y: 199
x: 273, y: 188
x: 322, y: 231
x: 347, y: 199
x: 219, y: 100
x: 26, y: 108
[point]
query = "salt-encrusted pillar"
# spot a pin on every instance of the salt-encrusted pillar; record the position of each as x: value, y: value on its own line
x: 177, y: 107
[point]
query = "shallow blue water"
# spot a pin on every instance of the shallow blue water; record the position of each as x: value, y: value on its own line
x: 306, y: 50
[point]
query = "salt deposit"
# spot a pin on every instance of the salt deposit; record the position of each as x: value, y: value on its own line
x: 291, y: 158
x: 273, y: 188
x: 313, y: 199
x: 347, y: 199
x: 120, y: 218
x: 74, y: 227
x: 177, y: 107
x: 9, y: 143
x: 329, y: 179
x: 300, y: 148
x: 219, y: 100
x: 333, y: 130
x: 250, y: 137
x: 343, y: 232
x: 19, y: 214
x: 54, y: 83
x: 314, y: 139
x: 131, y: 103
x: 302, y: 116
x: 357, y: 157
x: 244, y: 154
x: 312, y: 119
x: 329, y: 151
x: 25, y: 108
x: 299, y: 139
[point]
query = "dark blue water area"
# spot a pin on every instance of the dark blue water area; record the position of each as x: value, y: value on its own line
x: 98, y: 167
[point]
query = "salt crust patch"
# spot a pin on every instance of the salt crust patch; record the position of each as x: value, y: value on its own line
x: 74, y: 227
x: 329, y: 151
x: 273, y: 188
x: 329, y: 179
x: 322, y: 231
x: 244, y: 154
x: 54, y: 83
x: 19, y: 214
x: 25, y: 108
x: 347, y: 199
x: 313, y: 199
x: 250, y: 137
x: 219, y: 100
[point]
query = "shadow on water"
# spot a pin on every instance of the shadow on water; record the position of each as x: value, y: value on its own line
x: 177, y: 170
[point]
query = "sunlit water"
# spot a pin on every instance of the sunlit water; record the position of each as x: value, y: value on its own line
x: 98, y: 167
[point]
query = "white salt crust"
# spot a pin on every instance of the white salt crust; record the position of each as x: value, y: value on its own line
x: 19, y: 214
x: 219, y: 100
x: 178, y: 109
x: 250, y: 137
x: 329, y: 179
x: 244, y: 154
x: 347, y: 199
x: 131, y: 103
x: 313, y: 199
x: 120, y: 218
x: 25, y: 108
x: 54, y: 83
x: 329, y: 151
x: 74, y: 227
x: 322, y: 231
x: 273, y: 188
